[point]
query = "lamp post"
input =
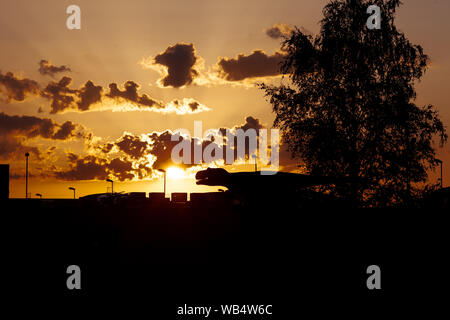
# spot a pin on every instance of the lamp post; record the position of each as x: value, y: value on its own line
x: 440, y: 162
x: 39, y: 195
x: 73, y: 189
x: 163, y: 171
x: 26, y: 176
x: 112, y: 185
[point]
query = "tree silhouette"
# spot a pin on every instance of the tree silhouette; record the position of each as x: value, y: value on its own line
x: 348, y: 109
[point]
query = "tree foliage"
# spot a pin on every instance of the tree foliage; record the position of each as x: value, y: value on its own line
x: 349, y: 109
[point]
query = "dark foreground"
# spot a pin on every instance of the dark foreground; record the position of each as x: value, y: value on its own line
x: 263, y: 254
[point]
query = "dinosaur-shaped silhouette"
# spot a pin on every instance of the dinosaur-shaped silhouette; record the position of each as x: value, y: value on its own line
x: 244, y: 182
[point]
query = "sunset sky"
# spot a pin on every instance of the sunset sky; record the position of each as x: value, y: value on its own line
x: 98, y: 102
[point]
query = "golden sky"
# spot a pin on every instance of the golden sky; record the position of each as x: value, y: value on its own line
x: 82, y: 100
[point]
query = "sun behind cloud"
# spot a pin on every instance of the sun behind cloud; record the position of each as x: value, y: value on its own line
x: 176, y: 173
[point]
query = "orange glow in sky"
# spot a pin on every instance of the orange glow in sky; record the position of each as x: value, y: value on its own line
x: 175, y: 173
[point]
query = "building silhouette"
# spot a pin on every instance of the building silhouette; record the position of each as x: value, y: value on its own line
x: 4, y: 181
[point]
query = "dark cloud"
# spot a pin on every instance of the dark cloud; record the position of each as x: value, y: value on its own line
x: 121, y: 169
x: 66, y: 131
x: 130, y: 93
x: 72, y: 157
x: 47, y: 68
x: 15, y: 131
x: 60, y: 94
x: 251, y: 123
x: 13, y: 148
x: 13, y: 88
x: 194, y: 105
x: 87, y: 168
x: 89, y: 94
x: 64, y: 98
x: 96, y: 168
x: 31, y: 127
x: 279, y: 30
x: 185, y: 106
x: 180, y: 60
x: 107, y: 147
x: 132, y: 146
x: 257, y: 64
x: 162, y: 146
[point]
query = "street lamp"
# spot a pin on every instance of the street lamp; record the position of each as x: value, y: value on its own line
x: 26, y: 176
x: 73, y: 189
x: 163, y: 171
x: 440, y: 162
x: 39, y: 195
x: 112, y: 184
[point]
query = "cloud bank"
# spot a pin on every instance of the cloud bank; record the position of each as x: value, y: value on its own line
x: 17, y: 131
x: 14, y: 88
x: 255, y: 65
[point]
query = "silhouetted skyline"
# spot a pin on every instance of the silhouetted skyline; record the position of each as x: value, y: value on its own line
x: 116, y: 64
